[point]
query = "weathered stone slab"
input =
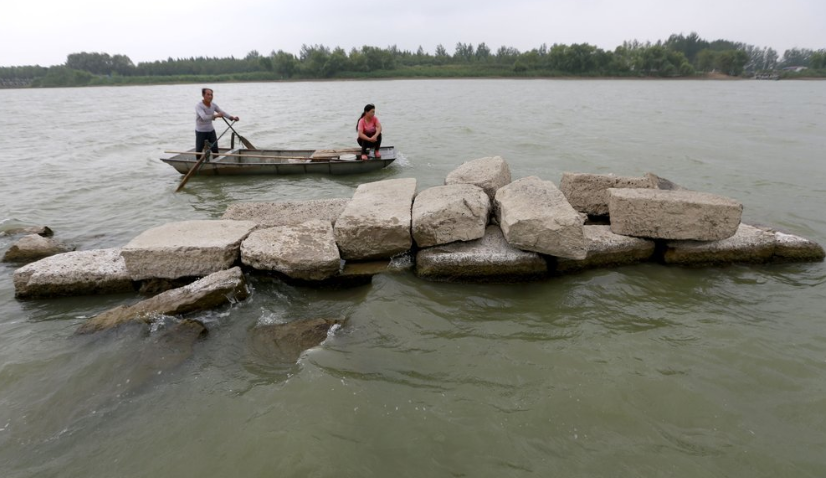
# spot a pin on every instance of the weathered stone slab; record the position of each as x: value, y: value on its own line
x: 749, y: 244
x: 34, y: 247
x: 535, y: 216
x: 790, y: 247
x: 304, y: 251
x: 678, y: 215
x: 100, y: 271
x: 445, y: 214
x: 606, y: 249
x: 186, y: 248
x: 485, y: 259
x: 214, y: 290
x: 376, y: 223
x: 286, y: 213
x: 588, y: 193
x: 489, y: 173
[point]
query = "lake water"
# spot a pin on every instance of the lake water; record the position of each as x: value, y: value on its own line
x: 637, y: 371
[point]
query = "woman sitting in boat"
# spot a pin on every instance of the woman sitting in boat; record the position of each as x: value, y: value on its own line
x: 369, y: 129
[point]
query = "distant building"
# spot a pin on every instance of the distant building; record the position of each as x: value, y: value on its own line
x: 795, y: 68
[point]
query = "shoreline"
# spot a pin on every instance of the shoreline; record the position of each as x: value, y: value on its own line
x: 705, y: 77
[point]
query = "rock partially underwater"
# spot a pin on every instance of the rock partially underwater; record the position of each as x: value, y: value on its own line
x: 284, y: 343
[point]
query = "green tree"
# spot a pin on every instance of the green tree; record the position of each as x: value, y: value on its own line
x: 284, y: 64
x: 336, y: 62
x: 482, y: 52
x: 817, y: 60
x: 463, y: 52
x: 797, y: 57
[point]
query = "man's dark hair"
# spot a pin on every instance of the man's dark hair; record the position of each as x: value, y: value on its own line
x: 204, y: 90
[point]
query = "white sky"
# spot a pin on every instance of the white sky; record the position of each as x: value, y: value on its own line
x: 45, y: 31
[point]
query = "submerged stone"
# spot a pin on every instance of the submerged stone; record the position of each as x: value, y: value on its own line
x: 215, y: 290
x: 285, y: 343
x: 33, y: 247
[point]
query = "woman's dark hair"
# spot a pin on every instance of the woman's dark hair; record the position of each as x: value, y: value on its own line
x: 367, y: 107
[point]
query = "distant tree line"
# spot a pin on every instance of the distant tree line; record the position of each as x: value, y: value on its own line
x: 678, y: 56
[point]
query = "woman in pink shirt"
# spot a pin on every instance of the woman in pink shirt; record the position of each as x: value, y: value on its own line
x: 369, y: 129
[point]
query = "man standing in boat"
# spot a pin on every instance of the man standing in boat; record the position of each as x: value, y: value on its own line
x: 205, y: 113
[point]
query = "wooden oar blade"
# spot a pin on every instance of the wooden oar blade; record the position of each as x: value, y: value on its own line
x: 246, y: 142
x: 194, y: 170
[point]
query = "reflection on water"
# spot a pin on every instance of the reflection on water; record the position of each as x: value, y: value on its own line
x: 635, y: 371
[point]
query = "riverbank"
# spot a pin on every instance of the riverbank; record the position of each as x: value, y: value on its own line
x: 234, y: 78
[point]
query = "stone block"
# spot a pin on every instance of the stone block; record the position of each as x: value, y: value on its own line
x: 101, y: 271
x: 185, y: 249
x: 214, y: 290
x: 674, y: 215
x: 445, y: 214
x: 606, y: 249
x: 34, y: 247
x: 304, y: 251
x: 588, y: 193
x: 376, y: 223
x: 749, y: 244
x: 790, y: 247
x: 535, y: 216
x: 485, y: 259
x: 286, y: 213
x: 489, y: 173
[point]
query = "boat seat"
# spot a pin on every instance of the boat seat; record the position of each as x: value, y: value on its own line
x: 330, y: 154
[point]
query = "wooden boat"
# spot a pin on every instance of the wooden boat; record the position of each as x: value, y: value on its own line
x: 237, y: 161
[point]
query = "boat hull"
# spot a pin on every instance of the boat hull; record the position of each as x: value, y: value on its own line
x: 278, y: 162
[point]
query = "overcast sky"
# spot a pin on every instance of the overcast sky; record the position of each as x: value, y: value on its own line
x: 45, y: 31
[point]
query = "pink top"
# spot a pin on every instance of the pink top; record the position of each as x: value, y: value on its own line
x: 368, y: 128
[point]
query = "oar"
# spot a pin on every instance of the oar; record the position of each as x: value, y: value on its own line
x: 244, y: 140
x: 204, y: 156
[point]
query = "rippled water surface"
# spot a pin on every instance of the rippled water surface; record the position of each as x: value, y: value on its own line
x: 639, y: 371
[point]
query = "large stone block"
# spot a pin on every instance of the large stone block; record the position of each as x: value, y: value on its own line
x: 286, y: 213
x: 376, y: 223
x: 485, y: 259
x: 606, y: 249
x: 33, y: 247
x: 101, y: 271
x: 749, y: 244
x: 444, y: 214
x: 588, y: 193
x: 214, y: 290
x: 789, y: 247
x: 676, y: 215
x: 535, y: 216
x: 490, y: 174
x: 304, y: 251
x: 185, y: 249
